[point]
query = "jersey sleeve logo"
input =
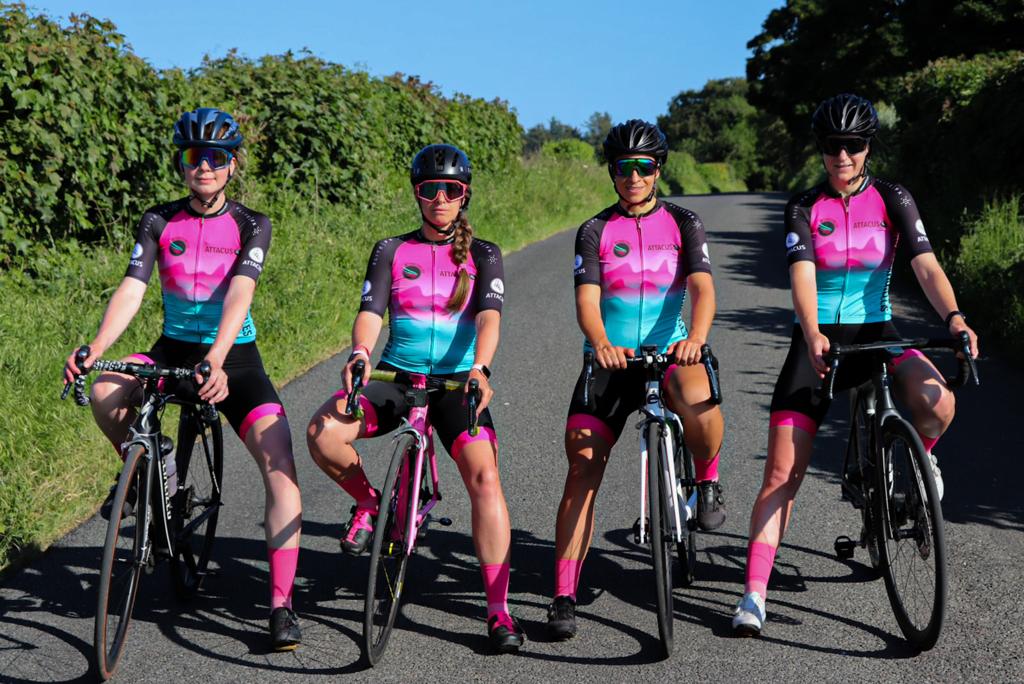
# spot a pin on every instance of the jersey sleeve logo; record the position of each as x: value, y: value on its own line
x: 920, y: 226
x: 792, y: 239
x: 498, y: 286
x: 137, y: 251
x: 256, y: 254
x: 366, y: 287
x: 824, y: 228
x: 577, y: 262
x: 707, y: 256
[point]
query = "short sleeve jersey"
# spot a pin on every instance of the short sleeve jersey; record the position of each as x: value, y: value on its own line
x: 197, y: 257
x: 853, y: 244
x: 641, y: 264
x: 413, y: 279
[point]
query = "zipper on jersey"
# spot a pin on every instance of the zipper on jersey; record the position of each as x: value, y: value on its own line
x: 640, y: 313
x: 195, y: 277
x: 433, y: 303
x: 846, y: 274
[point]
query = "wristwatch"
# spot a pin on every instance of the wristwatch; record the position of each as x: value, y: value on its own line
x: 483, y: 369
x: 949, y: 316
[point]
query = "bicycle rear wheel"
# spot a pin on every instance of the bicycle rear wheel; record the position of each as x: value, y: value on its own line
x: 196, y: 505
x: 912, y: 542
x: 687, y: 548
x: 388, y: 560
x: 660, y: 534
x: 860, y: 473
x: 123, y: 562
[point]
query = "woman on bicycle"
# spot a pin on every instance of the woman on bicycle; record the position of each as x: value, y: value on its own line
x: 444, y: 290
x: 841, y: 239
x: 210, y: 251
x: 634, y: 263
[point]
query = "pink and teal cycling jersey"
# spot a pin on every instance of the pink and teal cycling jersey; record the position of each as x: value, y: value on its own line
x: 414, y: 279
x: 641, y: 264
x: 198, y: 256
x: 853, y: 243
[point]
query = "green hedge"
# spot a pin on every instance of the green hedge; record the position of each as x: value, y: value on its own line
x: 681, y: 175
x: 568, y: 148
x: 85, y: 140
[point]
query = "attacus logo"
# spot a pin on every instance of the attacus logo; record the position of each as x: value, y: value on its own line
x: 256, y: 254
x: 577, y: 262
x: 826, y: 228
x: 621, y: 249
x: 792, y: 239
x: 178, y: 247
x: 366, y: 287
x: 137, y: 252
x: 498, y: 286
x: 411, y: 271
x: 920, y: 226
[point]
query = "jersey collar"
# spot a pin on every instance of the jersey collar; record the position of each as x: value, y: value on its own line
x: 195, y: 214
x: 831, y: 192
x: 617, y: 208
x: 423, y: 238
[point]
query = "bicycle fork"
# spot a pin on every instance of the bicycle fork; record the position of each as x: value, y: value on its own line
x: 680, y: 510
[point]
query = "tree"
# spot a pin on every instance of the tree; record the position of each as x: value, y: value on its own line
x: 598, y: 126
x: 535, y: 138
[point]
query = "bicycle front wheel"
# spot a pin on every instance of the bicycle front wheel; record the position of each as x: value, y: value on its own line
x: 388, y: 560
x: 660, y: 533
x: 123, y: 562
x: 687, y: 547
x: 912, y: 543
x: 196, y: 505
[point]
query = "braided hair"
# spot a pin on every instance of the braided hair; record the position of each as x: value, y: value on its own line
x: 460, y: 253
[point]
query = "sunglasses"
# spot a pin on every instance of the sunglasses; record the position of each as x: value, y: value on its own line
x: 624, y: 168
x: 833, y: 146
x: 452, y: 190
x: 215, y: 157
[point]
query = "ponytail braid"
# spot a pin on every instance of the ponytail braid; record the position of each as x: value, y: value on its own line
x: 460, y: 252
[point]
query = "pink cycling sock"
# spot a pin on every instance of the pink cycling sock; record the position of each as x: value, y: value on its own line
x: 359, y: 488
x: 928, y: 442
x: 706, y: 470
x: 567, y: 577
x: 496, y: 588
x: 760, y: 558
x: 283, y: 564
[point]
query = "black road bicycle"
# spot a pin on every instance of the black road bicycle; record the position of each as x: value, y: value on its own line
x: 887, y: 475
x: 148, y: 522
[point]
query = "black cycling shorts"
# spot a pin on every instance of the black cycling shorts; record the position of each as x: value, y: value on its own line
x: 384, y: 407
x: 614, y: 395
x: 251, y: 395
x: 798, y: 380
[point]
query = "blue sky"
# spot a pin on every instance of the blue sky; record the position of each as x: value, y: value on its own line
x: 546, y: 58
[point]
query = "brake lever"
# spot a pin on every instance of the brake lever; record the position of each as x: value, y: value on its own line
x: 471, y: 402
x: 352, y: 406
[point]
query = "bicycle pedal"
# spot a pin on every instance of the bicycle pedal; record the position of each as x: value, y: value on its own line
x: 444, y: 522
x: 844, y: 547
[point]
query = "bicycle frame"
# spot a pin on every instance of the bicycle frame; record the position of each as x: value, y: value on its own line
x: 876, y: 394
x: 656, y: 412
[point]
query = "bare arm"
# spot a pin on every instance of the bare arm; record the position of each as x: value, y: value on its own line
x: 123, y: 306
x: 588, y: 315
x: 488, y: 325
x: 365, y: 333
x: 939, y: 292
x: 805, y: 303
x: 236, y: 306
x: 701, y: 290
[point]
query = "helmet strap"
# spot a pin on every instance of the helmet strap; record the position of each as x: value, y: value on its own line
x: 208, y: 204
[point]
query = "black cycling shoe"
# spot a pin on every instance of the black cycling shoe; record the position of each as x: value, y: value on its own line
x: 710, y: 505
x: 562, y: 618
x: 284, y: 629
x: 503, y: 639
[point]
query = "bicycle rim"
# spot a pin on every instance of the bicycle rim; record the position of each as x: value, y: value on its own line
x: 912, y: 546
x: 660, y: 536
x: 122, y: 564
x: 687, y: 548
x: 196, y: 506
x: 388, y: 560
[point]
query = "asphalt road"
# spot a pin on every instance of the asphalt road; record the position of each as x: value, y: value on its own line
x: 828, y: 620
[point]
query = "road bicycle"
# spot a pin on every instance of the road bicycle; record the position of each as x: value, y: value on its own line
x: 887, y: 476
x: 668, y: 486
x: 148, y: 521
x: 411, y: 490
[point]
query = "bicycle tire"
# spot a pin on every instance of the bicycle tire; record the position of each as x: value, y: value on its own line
x: 195, y: 508
x: 660, y: 536
x: 861, y: 447
x: 910, y: 516
x: 687, y: 548
x: 388, y: 560
x: 122, y: 565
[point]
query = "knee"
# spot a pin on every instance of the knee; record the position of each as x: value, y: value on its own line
x: 782, y: 477
x: 585, y: 465
x: 945, y: 407
x: 321, y: 433
x: 484, y: 483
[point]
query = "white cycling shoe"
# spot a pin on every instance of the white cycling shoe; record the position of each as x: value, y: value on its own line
x: 937, y: 474
x: 749, y: 615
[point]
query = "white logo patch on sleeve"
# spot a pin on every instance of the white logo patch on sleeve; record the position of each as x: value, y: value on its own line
x: 498, y: 286
x: 792, y: 239
x: 920, y: 226
x: 704, y: 248
x: 137, y: 251
x: 256, y: 254
x: 366, y: 287
x: 577, y: 262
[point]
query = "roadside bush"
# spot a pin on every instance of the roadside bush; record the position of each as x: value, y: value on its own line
x: 721, y: 177
x: 681, y: 176
x: 568, y: 149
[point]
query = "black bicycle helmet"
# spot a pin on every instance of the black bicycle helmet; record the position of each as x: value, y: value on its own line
x: 207, y: 127
x: 636, y: 137
x: 847, y: 115
x: 440, y: 162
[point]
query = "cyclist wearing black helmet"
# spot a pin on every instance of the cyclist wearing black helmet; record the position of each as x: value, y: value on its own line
x: 210, y: 251
x: 841, y: 239
x: 444, y: 291
x: 634, y: 263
